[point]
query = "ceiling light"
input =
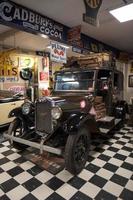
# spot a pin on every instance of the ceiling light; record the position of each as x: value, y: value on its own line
x: 49, y: 47
x: 124, y: 13
x: 44, y: 36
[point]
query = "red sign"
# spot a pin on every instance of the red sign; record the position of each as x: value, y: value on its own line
x: 58, y: 52
x: 43, y: 76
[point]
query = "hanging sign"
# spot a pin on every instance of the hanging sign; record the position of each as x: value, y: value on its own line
x: 92, y: 8
x: 58, y: 53
x: 77, y: 50
x: 93, y: 45
x: 23, y: 18
x: 80, y: 51
x: 42, y: 53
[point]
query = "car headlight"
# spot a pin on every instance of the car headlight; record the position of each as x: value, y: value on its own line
x: 26, y: 108
x: 56, y: 112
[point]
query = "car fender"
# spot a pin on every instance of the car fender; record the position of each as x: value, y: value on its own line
x: 123, y: 104
x: 75, y: 121
x: 16, y: 112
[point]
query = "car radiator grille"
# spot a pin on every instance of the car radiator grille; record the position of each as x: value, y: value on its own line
x: 43, y: 117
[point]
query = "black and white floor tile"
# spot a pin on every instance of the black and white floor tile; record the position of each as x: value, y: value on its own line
x: 108, y: 174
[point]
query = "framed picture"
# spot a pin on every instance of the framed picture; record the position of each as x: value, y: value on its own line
x: 130, y: 81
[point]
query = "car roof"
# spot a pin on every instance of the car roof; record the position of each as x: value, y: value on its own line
x: 85, y: 69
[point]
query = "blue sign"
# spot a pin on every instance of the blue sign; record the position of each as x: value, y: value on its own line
x: 25, y: 19
x: 96, y: 46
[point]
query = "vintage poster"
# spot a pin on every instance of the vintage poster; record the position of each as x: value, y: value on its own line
x: 43, y: 72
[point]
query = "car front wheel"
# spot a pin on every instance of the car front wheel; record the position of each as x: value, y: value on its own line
x: 77, y: 150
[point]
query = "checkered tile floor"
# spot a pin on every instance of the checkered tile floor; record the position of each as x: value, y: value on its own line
x: 108, y: 174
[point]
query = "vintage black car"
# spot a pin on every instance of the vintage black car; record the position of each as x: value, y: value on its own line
x: 84, y: 102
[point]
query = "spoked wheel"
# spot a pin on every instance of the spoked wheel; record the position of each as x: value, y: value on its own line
x: 17, y: 129
x: 77, y: 150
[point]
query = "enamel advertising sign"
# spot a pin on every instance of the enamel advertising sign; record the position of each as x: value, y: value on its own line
x: 23, y: 18
x: 58, y: 53
x: 92, y: 7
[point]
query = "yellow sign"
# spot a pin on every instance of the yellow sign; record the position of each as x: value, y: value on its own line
x: 8, y: 67
x: 8, y: 71
x: 27, y: 62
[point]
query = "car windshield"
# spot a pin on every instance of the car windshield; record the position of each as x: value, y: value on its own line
x: 68, y: 81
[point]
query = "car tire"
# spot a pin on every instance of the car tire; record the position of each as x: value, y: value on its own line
x: 73, y: 163
x: 12, y: 130
x: 120, y: 125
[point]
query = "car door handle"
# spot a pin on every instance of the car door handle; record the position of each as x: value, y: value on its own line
x: 13, y: 104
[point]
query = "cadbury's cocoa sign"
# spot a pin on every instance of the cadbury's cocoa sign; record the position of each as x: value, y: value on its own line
x: 28, y: 20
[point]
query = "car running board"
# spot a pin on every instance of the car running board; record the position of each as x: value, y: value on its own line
x: 106, y: 131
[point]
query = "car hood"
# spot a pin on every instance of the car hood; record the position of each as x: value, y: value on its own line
x: 72, y: 102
